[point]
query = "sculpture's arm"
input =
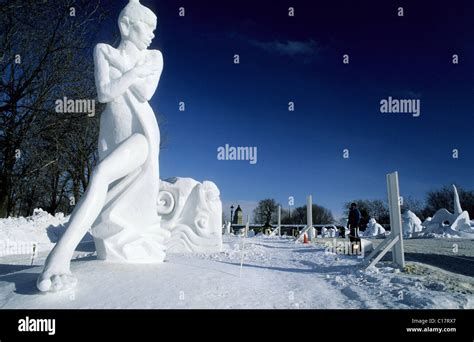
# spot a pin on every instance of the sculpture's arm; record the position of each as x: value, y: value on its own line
x: 146, y: 87
x: 108, y: 89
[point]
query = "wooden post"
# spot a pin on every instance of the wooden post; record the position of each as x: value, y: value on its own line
x: 395, y: 218
x: 394, y: 241
x: 246, y: 231
x: 309, y: 217
x: 279, y: 220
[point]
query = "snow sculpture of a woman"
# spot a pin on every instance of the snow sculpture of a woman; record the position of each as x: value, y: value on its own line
x: 120, y: 203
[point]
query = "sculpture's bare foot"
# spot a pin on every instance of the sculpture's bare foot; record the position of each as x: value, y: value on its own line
x: 56, y: 276
x: 53, y: 282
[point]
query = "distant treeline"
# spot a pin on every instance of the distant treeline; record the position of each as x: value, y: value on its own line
x: 266, y: 210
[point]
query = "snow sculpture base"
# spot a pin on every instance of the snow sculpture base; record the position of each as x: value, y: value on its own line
x: 124, y: 245
x: 192, y: 213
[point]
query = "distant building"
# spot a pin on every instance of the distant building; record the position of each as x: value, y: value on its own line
x: 238, y: 216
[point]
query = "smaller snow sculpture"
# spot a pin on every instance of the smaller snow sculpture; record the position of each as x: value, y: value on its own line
x: 411, y: 224
x: 374, y: 229
x: 445, y: 223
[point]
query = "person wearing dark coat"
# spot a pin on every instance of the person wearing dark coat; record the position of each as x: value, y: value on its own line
x: 353, y: 224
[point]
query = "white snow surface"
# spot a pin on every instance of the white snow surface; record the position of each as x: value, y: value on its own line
x: 276, y: 273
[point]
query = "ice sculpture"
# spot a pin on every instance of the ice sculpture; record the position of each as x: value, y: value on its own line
x: 123, y: 203
x: 446, y: 223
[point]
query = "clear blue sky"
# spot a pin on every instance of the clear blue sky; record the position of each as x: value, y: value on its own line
x: 299, y: 59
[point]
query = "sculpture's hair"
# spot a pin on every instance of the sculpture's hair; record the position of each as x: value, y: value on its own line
x: 136, y: 12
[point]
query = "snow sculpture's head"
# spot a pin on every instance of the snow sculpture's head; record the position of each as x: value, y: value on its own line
x: 137, y: 23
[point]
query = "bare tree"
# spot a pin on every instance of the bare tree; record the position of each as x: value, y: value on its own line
x: 45, y: 156
x: 299, y: 215
x: 444, y: 198
x: 265, y: 211
x: 321, y: 215
x: 414, y: 205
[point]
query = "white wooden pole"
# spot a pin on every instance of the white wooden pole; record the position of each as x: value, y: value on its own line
x: 246, y: 230
x: 279, y: 220
x: 309, y: 217
x: 395, y: 218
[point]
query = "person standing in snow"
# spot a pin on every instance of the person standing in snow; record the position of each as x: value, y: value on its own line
x: 353, y: 224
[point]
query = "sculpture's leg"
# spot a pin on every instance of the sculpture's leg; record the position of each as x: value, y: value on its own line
x: 127, y: 157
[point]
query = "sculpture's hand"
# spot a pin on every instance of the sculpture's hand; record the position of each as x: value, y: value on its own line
x: 146, y: 74
x: 142, y: 70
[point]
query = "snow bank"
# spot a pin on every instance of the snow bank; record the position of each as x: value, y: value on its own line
x: 18, y: 235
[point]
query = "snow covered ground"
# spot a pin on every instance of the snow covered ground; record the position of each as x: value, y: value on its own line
x: 276, y: 273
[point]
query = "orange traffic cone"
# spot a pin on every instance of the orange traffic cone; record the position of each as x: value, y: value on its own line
x: 305, y: 238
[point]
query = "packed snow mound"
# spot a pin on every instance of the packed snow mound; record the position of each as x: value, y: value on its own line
x: 463, y: 223
x: 19, y: 235
x: 411, y: 224
x: 374, y: 229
